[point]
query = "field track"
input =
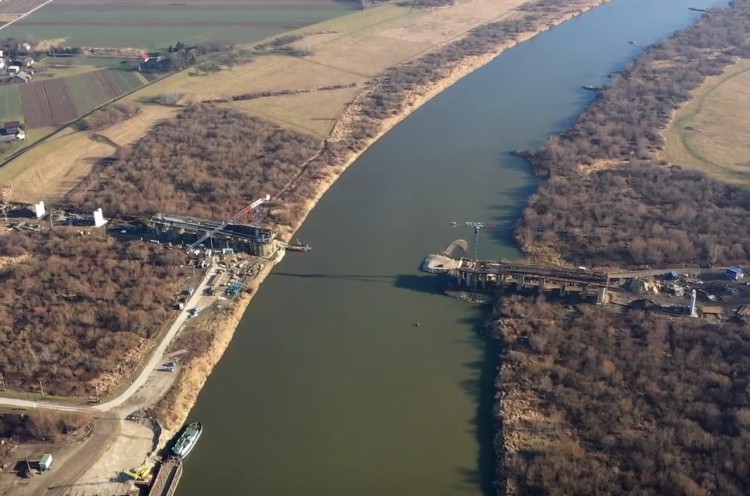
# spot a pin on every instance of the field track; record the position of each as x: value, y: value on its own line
x: 19, y: 6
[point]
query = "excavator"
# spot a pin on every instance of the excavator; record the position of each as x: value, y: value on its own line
x: 139, y: 474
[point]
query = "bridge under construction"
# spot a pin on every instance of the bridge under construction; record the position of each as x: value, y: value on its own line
x: 488, y: 275
x: 259, y: 241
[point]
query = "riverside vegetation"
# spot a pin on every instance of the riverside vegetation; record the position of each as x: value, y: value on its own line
x: 208, y: 162
x: 84, y: 333
x: 611, y: 401
x: 607, y: 199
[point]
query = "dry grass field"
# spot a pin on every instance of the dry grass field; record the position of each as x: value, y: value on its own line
x: 349, y: 49
x: 312, y: 113
x: 51, y: 169
x: 711, y: 133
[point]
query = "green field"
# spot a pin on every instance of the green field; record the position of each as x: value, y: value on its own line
x: 82, y: 60
x: 10, y: 103
x: 158, y: 28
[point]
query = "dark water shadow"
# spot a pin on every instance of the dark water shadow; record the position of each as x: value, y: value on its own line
x: 481, y: 388
x: 341, y: 277
x: 427, y: 283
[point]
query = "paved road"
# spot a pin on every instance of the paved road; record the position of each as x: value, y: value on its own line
x: 157, y: 358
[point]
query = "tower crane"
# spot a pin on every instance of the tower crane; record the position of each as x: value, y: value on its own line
x: 478, y: 226
x: 250, y: 208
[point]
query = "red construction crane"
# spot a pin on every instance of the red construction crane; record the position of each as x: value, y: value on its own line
x: 245, y: 211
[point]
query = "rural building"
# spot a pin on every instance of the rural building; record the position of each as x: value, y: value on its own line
x: 11, y: 127
x: 11, y: 131
x: 153, y: 62
x: 45, y: 462
x: 715, y: 312
x: 21, y: 77
x: 1, y: 53
x: 13, y: 69
x: 24, y: 47
x: 23, y: 62
x: 734, y: 273
x: 2, y: 63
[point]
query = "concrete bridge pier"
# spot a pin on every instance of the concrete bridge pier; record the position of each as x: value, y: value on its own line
x: 562, y: 289
x: 601, y: 296
x: 520, y: 282
x: 541, y: 285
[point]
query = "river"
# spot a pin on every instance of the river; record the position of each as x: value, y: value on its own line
x: 328, y: 387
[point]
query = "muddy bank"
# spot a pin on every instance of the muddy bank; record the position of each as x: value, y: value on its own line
x: 340, y: 150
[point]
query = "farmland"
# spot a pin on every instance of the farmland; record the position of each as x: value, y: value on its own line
x: 62, y: 100
x: 10, y: 102
x: 19, y: 6
x: 710, y: 132
x: 414, y: 31
x: 158, y: 24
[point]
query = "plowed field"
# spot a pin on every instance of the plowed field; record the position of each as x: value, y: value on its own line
x: 59, y: 101
x: 19, y: 6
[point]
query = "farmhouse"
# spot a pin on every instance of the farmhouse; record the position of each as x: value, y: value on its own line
x: 10, y: 127
x: 149, y: 62
x: 2, y: 63
x: 20, y: 78
x: 23, y: 62
x: 11, y: 131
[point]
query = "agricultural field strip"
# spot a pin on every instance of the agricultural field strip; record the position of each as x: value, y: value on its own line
x: 16, y: 8
x: 295, y: 73
x: 71, y: 97
x: 10, y: 102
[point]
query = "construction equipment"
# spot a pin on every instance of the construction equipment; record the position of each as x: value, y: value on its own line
x: 140, y: 473
x: 242, y: 213
x: 478, y: 226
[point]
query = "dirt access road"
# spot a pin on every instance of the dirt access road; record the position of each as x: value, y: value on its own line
x: 157, y: 357
x: 80, y: 466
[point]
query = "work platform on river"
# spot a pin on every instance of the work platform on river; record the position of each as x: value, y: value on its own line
x: 167, y: 478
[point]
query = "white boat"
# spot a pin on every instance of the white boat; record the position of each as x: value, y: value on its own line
x: 187, y: 440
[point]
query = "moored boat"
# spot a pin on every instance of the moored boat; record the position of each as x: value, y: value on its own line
x: 187, y: 440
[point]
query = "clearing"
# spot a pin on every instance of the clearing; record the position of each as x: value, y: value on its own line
x: 710, y: 133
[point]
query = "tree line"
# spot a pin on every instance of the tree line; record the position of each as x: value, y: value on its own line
x: 637, y: 210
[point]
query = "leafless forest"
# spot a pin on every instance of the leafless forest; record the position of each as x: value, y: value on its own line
x: 608, y: 401
x: 209, y: 162
x: 622, y: 402
x: 79, y: 307
x: 608, y: 199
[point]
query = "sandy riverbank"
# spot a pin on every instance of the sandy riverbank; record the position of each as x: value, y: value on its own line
x: 195, y: 374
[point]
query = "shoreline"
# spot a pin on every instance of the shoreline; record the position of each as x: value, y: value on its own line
x: 184, y: 394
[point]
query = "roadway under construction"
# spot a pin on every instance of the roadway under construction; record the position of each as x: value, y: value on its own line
x: 258, y: 241
x: 483, y: 276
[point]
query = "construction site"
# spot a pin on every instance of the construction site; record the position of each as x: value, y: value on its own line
x: 225, y: 258
x: 714, y: 293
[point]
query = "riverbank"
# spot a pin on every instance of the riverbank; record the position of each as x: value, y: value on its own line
x: 187, y: 389
x: 663, y: 214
